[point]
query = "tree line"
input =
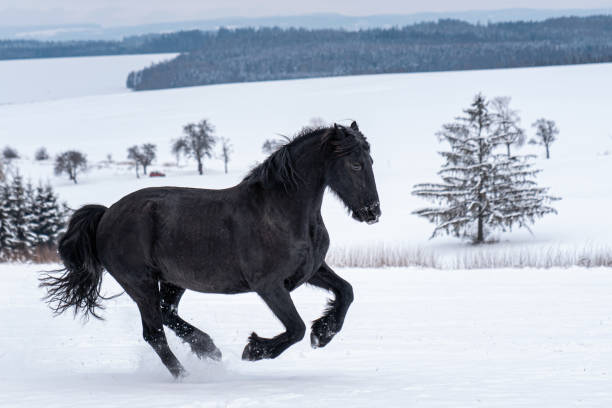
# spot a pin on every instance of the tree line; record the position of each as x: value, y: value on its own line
x: 243, y: 55
x: 31, y: 219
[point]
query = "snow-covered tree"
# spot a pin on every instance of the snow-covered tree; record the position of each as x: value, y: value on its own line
x: 480, y: 188
x: 48, y: 216
x: 546, y: 134
x: 7, y: 240
x: 19, y: 215
x: 506, y: 123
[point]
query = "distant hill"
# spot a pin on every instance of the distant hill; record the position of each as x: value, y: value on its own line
x: 310, y: 21
x: 244, y: 55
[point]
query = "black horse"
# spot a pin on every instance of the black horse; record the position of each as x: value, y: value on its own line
x: 264, y: 235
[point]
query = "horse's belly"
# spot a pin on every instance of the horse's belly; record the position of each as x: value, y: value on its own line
x: 205, y: 277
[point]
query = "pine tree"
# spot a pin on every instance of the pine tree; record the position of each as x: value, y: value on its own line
x: 19, y: 200
x: 480, y: 188
x: 47, y: 214
x: 6, y: 227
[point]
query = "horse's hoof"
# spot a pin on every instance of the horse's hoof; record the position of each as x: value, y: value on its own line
x: 178, y: 373
x: 254, y: 349
x: 213, y: 354
x: 216, y: 355
x: 314, y: 341
x: 322, y: 333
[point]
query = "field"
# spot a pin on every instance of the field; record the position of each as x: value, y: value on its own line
x: 463, y: 331
x: 414, y: 337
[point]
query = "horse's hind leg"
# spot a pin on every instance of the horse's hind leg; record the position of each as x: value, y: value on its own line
x: 201, y: 343
x: 279, y: 301
x: 147, y: 297
x: 326, y: 327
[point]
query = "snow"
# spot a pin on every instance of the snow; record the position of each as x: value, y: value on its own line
x: 32, y: 80
x: 413, y: 337
x: 399, y: 114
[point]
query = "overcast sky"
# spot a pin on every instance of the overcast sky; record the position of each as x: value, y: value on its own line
x: 127, y: 12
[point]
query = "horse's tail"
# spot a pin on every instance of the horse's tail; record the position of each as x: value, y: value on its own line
x: 78, y: 283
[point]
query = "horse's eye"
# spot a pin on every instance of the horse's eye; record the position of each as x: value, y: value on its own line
x: 356, y: 166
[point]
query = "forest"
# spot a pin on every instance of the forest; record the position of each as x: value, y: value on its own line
x: 260, y: 54
x: 244, y: 55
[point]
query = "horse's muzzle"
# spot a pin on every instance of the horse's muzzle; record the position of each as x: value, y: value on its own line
x: 369, y: 214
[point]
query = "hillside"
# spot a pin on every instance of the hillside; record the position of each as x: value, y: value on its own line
x: 246, y: 55
x: 399, y: 114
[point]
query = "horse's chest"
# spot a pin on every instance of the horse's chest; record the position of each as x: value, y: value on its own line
x: 310, y: 255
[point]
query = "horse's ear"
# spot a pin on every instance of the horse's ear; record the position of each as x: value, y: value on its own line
x: 339, y: 130
x: 354, y: 126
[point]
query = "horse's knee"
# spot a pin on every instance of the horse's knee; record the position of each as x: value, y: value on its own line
x: 347, y: 293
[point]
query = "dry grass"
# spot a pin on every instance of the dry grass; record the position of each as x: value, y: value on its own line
x: 41, y: 255
x: 471, y: 257
x: 466, y: 257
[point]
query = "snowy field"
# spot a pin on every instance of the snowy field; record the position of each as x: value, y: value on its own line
x: 413, y: 338
x: 400, y: 115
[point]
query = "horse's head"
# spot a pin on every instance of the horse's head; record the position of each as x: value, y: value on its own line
x: 350, y: 174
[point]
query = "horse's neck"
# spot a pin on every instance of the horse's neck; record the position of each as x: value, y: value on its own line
x: 304, y: 203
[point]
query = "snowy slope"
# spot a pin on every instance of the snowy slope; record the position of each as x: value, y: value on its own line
x: 413, y: 338
x: 32, y: 80
x: 398, y: 113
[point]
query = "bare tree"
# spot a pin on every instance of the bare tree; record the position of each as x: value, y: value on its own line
x: 317, y: 122
x: 505, y: 123
x: 134, y: 155
x: 179, y: 146
x: 70, y: 162
x: 546, y: 134
x: 41, y: 154
x: 148, y: 154
x: 270, y: 146
x: 10, y: 153
x: 226, y: 151
x: 198, y: 142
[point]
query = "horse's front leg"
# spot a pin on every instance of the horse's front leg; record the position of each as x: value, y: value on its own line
x: 279, y: 301
x: 326, y: 327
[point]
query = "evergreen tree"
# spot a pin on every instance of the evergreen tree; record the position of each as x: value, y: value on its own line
x: 7, y: 235
x: 481, y: 189
x: 19, y: 203
x: 48, y: 217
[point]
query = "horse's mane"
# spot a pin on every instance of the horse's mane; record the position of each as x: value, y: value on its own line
x: 279, y: 167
